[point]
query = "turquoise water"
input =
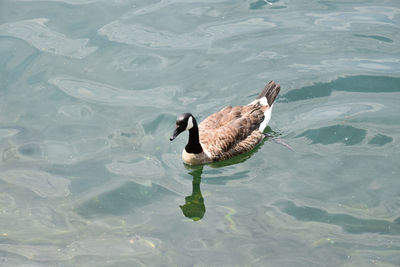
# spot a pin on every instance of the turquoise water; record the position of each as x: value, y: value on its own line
x: 89, y: 94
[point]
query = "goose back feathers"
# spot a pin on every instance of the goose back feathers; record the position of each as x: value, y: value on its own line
x: 228, y: 132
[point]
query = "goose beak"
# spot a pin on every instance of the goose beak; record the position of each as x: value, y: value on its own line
x: 176, y: 133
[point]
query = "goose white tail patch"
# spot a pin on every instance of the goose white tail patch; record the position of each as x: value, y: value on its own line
x: 189, y: 124
x: 263, y: 101
x: 267, y: 118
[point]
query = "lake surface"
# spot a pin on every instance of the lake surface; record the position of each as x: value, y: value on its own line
x: 89, y: 94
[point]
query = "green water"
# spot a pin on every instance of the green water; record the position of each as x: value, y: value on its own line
x: 89, y: 94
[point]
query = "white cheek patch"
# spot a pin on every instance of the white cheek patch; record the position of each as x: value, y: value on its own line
x: 189, y: 124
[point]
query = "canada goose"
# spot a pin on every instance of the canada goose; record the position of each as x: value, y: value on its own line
x: 228, y: 132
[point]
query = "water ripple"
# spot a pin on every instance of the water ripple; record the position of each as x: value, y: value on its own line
x: 120, y: 32
x: 162, y: 4
x: 70, y: 2
x: 136, y: 34
x: 333, y: 112
x: 43, y: 184
x: 7, y: 132
x: 361, y: 83
x: 146, y: 171
x: 375, y: 15
x: 37, y: 34
x: 349, y: 223
x: 345, y: 134
x: 103, y: 94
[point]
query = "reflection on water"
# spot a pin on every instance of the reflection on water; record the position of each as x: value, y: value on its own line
x: 194, y: 207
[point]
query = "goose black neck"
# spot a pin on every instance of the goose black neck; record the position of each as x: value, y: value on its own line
x: 193, y: 145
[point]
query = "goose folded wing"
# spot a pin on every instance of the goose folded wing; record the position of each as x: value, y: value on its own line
x: 225, y: 130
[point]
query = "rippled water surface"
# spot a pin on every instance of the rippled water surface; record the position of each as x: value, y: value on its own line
x: 89, y: 93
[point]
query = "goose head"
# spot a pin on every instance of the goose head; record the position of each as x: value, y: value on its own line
x: 184, y: 122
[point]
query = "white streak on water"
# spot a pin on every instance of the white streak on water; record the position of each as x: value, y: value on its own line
x: 8, y: 132
x: 99, y: 246
x: 391, y: 65
x: 146, y: 172
x: 103, y: 94
x: 162, y: 4
x: 76, y: 112
x: 329, y: 113
x: 135, y: 34
x: 334, y: 112
x: 71, y: 2
x: 36, y: 33
x: 41, y: 183
x: 372, y: 15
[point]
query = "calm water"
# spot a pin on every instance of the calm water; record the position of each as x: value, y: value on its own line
x: 89, y: 93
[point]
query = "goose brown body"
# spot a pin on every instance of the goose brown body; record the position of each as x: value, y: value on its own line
x: 230, y: 131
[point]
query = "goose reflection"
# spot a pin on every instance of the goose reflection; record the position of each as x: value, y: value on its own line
x: 194, y: 207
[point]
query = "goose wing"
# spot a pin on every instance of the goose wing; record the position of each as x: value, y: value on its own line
x: 232, y: 130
